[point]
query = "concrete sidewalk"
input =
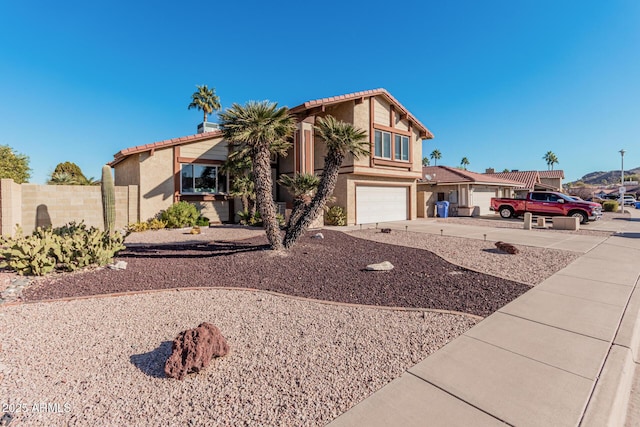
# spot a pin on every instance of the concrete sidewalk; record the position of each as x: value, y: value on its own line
x: 562, y: 354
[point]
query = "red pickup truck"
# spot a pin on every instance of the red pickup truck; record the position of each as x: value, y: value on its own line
x: 547, y: 203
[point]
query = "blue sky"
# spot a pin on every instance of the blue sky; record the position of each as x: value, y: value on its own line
x: 500, y: 82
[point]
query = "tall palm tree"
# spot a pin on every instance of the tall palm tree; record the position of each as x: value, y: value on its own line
x: 205, y: 99
x: 436, y: 155
x: 464, y: 163
x: 255, y: 129
x: 551, y: 159
x: 425, y: 161
x: 341, y: 139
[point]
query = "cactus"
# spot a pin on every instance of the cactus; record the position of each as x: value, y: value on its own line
x: 108, y: 200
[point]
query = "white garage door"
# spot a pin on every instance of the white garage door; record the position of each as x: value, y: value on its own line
x: 380, y: 204
x: 482, y: 198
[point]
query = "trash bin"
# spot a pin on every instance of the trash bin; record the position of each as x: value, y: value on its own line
x: 637, y: 205
x: 443, y: 209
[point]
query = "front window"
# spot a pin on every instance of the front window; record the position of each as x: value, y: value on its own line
x: 202, y: 179
x: 384, y: 149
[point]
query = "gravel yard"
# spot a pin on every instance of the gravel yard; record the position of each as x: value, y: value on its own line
x: 292, y: 362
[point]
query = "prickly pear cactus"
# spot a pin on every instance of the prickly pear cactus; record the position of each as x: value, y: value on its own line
x: 108, y: 199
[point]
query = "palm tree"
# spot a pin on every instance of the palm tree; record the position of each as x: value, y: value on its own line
x: 239, y: 169
x: 425, y: 161
x: 341, y: 139
x: 436, y: 155
x: 205, y: 99
x: 256, y: 129
x: 551, y: 159
x: 464, y: 163
x: 302, y: 187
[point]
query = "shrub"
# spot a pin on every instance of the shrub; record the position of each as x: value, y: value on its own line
x: 65, y: 248
x: 202, y: 221
x: 137, y: 227
x: 156, y: 224
x: 336, y: 216
x: 256, y: 220
x: 610, y: 206
x: 181, y: 214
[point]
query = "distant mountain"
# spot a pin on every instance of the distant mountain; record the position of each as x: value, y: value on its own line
x: 605, y: 178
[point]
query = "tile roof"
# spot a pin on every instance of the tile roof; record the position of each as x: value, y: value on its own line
x: 552, y: 174
x: 123, y: 154
x: 362, y: 94
x: 529, y: 179
x: 449, y: 175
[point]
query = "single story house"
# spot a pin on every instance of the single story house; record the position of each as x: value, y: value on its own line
x: 532, y: 180
x: 468, y: 193
x: 376, y: 188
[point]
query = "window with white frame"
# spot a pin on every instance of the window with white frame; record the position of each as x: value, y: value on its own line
x: 383, y: 146
x: 202, y: 179
x: 401, y: 148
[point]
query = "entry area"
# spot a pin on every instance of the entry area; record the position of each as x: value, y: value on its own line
x: 381, y: 204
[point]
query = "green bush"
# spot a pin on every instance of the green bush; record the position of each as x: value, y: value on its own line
x: 336, y: 216
x: 137, y: 227
x: 65, y: 248
x: 156, y: 224
x: 202, y: 221
x: 256, y: 219
x: 181, y: 214
x: 610, y: 206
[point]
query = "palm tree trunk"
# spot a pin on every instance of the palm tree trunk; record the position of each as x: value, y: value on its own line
x: 204, y: 120
x: 245, y: 203
x: 313, y: 209
x: 264, y: 198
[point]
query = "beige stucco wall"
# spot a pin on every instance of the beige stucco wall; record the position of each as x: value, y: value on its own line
x: 209, y: 149
x: 57, y: 205
x: 10, y: 204
x: 127, y: 172
x: 217, y: 211
x: 156, y: 182
x: 554, y: 182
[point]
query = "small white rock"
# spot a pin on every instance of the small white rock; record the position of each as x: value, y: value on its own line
x: 382, y: 266
x: 318, y: 236
x: 120, y: 265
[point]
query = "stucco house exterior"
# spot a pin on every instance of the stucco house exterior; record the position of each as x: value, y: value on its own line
x: 379, y: 187
x: 468, y: 193
x: 532, y: 180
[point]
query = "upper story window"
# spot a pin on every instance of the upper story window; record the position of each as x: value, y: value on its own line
x: 383, y: 148
x: 202, y: 179
x: 402, y: 148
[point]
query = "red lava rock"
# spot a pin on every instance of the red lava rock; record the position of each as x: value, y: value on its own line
x: 507, y: 247
x: 193, y: 350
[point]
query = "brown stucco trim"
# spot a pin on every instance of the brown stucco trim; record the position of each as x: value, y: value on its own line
x: 392, y: 130
x: 372, y: 142
x: 176, y: 174
x: 199, y: 161
x: 204, y: 197
x: 393, y: 163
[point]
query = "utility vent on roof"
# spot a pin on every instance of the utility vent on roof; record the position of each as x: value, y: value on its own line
x: 208, y: 127
x: 490, y: 170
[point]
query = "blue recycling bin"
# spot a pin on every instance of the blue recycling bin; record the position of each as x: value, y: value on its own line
x: 443, y: 209
x: 637, y: 205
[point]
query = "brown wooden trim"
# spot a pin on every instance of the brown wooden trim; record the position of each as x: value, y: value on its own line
x: 372, y: 136
x: 204, y: 197
x: 198, y: 160
x: 308, y: 152
x: 176, y: 174
x: 359, y: 100
x: 392, y: 130
x: 392, y: 116
x: 393, y: 163
x: 296, y: 152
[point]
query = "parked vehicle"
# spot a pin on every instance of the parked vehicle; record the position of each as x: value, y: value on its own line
x: 547, y: 203
x: 629, y: 200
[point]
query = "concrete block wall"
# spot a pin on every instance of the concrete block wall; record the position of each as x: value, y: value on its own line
x: 32, y: 205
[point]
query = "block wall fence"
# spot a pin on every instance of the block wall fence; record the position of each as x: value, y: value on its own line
x: 33, y: 205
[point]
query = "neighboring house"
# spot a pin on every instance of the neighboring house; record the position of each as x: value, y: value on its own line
x: 469, y: 193
x: 532, y: 180
x: 376, y: 188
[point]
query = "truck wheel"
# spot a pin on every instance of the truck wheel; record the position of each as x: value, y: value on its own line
x: 581, y: 216
x: 506, y: 212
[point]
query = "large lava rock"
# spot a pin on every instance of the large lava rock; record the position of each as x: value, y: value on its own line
x: 193, y: 350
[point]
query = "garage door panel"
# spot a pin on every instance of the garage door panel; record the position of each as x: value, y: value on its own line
x: 381, y: 204
x: 482, y: 198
